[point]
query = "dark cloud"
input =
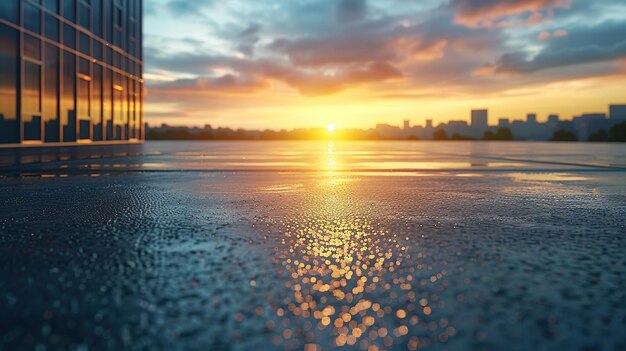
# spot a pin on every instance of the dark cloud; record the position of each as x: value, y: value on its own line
x: 247, y: 39
x: 254, y: 74
x: 351, y: 10
x: 340, y: 49
x: 583, y: 45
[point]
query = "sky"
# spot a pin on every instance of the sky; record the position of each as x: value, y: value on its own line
x: 355, y: 63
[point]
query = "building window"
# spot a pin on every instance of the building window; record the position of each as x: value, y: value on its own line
x: 31, y: 101
x: 9, y: 10
x: 32, y: 47
x: 52, y: 5
x: 69, y: 36
x: 107, y: 90
x: 69, y: 10
x: 32, y: 17
x: 52, y: 27
x: 119, y: 121
x: 68, y: 115
x: 83, y: 103
x: 51, y: 94
x: 9, y: 127
x: 118, y: 24
x: 96, y: 6
x: 96, y: 106
x: 85, y: 44
x: 84, y: 14
x: 97, y: 50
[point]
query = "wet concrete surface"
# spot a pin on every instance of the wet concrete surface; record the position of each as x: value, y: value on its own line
x: 150, y: 258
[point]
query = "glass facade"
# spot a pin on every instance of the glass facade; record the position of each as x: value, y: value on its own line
x: 71, y: 71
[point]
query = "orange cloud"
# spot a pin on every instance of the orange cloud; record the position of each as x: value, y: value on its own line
x: 543, y: 36
x: 493, y: 13
x: 433, y: 51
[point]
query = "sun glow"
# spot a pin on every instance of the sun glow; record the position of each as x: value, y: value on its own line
x: 330, y: 128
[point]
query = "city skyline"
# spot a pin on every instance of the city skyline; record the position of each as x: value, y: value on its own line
x: 584, y: 127
x: 617, y: 110
x: 360, y: 62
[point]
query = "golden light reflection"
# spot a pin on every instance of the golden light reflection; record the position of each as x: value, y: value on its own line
x: 330, y: 159
x: 345, y: 282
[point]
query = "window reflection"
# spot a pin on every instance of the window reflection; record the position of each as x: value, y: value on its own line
x: 107, y: 104
x: 96, y: 105
x: 84, y: 14
x: 52, y: 27
x: 32, y: 16
x: 84, y: 107
x: 69, y: 9
x: 9, y: 10
x: 31, y: 101
x: 96, y: 5
x: 68, y: 116
x: 118, y: 109
x: 32, y: 47
x: 51, y: 94
x: 69, y: 36
x: 52, y: 5
x: 9, y: 128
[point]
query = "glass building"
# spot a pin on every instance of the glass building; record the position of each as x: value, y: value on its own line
x: 71, y: 71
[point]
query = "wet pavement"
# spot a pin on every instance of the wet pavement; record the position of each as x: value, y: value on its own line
x: 314, y: 246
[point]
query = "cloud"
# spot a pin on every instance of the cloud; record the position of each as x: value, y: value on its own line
x: 518, y: 63
x: 247, y: 39
x: 227, y: 83
x: 252, y: 74
x: 559, y: 33
x: 382, y: 47
x: 496, y: 13
x: 338, y: 49
x: 585, y: 45
x: 351, y: 10
x: 184, y: 8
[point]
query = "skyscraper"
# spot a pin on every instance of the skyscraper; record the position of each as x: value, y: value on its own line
x: 71, y: 71
x: 480, y: 119
x: 407, y: 124
x: 618, y: 112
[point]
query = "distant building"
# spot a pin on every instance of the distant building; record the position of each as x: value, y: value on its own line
x: 553, y: 119
x: 429, y: 124
x: 407, y: 124
x: 388, y: 131
x: 503, y: 123
x: 480, y: 118
x: 71, y: 72
x: 589, y: 123
x: 617, y: 112
x: 531, y: 118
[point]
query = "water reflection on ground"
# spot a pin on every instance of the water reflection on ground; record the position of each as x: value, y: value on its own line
x: 347, y: 282
x: 315, y: 246
x: 345, y: 156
